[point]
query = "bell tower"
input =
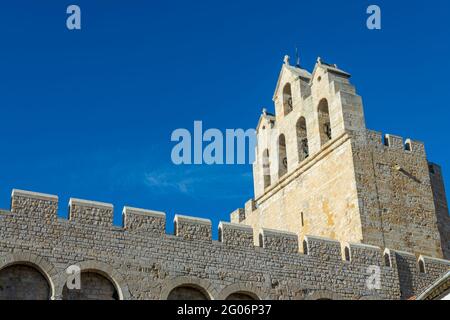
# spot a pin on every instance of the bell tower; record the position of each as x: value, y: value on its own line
x: 310, y: 110
x: 319, y: 171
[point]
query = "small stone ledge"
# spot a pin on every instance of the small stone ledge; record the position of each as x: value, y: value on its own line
x: 33, y: 195
x: 394, y: 142
x: 403, y: 254
x: 435, y: 260
x: 89, y: 204
x: 144, y: 212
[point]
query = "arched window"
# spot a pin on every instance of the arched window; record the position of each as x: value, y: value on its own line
x: 324, y: 122
x: 408, y: 146
x: 266, y: 168
x: 302, y: 139
x: 387, y: 260
x: 347, y: 254
x: 282, y: 156
x: 188, y: 292
x: 23, y: 282
x: 94, y: 286
x: 287, y: 99
x: 421, y: 266
x: 305, y: 247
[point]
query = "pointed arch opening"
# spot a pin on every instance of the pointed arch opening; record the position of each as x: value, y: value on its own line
x: 288, y: 105
x: 387, y: 260
x: 266, y: 168
x: 347, y: 254
x: 302, y: 139
x: 324, y: 122
x: 421, y: 266
x: 282, y: 156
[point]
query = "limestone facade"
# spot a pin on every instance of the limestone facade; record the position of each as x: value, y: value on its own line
x: 319, y: 171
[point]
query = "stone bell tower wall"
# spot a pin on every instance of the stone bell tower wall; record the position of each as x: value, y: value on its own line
x: 396, y: 199
x: 318, y: 198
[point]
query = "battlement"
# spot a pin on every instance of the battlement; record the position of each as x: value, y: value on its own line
x: 236, y: 235
x: 326, y: 249
x: 91, y: 212
x: 363, y: 253
x: 394, y: 142
x: 89, y: 232
x: 278, y: 240
x: 151, y: 223
x: 145, y: 221
x: 191, y: 228
x: 42, y: 205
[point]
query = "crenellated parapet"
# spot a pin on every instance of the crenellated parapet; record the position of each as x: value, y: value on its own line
x: 393, y: 142
x: 153, y: 223
x: 233, y: 260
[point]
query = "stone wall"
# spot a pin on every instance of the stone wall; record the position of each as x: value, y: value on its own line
x: 440, y: 203
x: 319, y: 198
x: 141, y: 261
x: 394, y: 188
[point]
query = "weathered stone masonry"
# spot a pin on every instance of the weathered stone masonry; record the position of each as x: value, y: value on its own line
x: 141, y: 261
x: 320, y: 171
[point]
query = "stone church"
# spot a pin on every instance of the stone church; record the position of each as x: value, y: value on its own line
x: 340, y: 212
x: 320, y: 171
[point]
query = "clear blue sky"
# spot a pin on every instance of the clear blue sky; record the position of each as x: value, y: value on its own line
x: 89, y: 114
